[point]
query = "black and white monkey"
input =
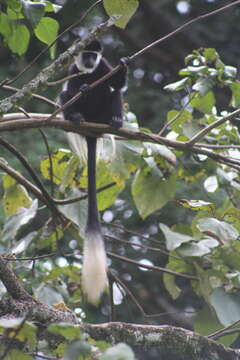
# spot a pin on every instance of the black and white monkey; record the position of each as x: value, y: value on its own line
x: 103, y: 104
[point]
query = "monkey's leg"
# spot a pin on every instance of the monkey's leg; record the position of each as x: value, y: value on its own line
x: 116, y: 115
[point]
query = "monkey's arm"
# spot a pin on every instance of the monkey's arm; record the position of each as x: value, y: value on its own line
x: 119, y: 79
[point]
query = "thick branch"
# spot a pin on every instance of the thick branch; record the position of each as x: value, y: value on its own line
x: 94, y: 129
x: 172, y: 342
x: 11, y: 282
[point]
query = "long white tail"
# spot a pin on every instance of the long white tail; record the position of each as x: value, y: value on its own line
x: 94, y: 271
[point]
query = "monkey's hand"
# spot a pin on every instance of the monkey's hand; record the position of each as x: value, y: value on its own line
x: 76, y: 118
x: 84, y: 88
x: 124, y: 61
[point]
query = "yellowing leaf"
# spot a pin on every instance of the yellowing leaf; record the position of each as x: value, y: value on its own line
x: 15, y: 196
x: 196, y: 204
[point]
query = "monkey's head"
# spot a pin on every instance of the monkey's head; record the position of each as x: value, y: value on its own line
x: 88, y: 59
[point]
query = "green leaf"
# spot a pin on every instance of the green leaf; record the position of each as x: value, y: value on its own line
x: 196, y: 205
x: 155, y: 150
x: 171, y: 286
x: 104, y: 177
x: 199, y: 248
x: 47, y: 31
x: 235, y: 101
x: 27, y: 334
x: 232, y: 215
x: 210, y: 54
x: 52, y: 7
x: 125, y: 160
x: 118, y: 352
x: 125, y: 8
x: 15, y: 222
x: 60, y: 167
x: 203, y: 86
x: 77, y: 350
x: 173, y: 238
x: 178, y: 118
x: 220, y: 229
x: 19, y: 32
x: 206, y: 323
x: 17, y: 354
x: 150, y: 193
x: 5, y: 25
x: 15, y: 196
x: 14, y: 5
x: 76, y: 213
x: 178, y: 85
x: 69, y: 172
x: 204, y: 103
x: 227, y: 306
x: 67, y: 330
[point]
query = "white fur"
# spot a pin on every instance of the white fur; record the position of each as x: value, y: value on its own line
x: 80, y: 65
x: 78, y: 145
x: 94, y: 271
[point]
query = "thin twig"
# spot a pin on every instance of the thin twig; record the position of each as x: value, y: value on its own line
x: 152, y: 267
x: 214, y: 125
x: 182, y: 27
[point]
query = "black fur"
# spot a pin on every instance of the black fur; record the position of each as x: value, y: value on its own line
x: 103, y: 104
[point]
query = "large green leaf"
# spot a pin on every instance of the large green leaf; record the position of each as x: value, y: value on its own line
x: 5, y: 25
x: 220, y: 229
x: 227, y: 306
x: 173, y: 238
x: 15, y: 196
x: 60, y: 160
x: 47, y: 31
x: 206, y: 323
x: 150, y: 193
x: 15, y: 222
x: 124, y: 8
x: 204, y: 102
x: 19, y: 32
x: 199, y: 248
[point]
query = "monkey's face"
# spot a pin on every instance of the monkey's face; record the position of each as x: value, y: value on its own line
x: 87, y: 61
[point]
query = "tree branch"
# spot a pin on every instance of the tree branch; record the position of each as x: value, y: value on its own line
x: 172, y: 342
x: 96, y: 129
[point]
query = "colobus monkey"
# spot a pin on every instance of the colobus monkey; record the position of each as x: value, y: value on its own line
x: 103, y: 104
